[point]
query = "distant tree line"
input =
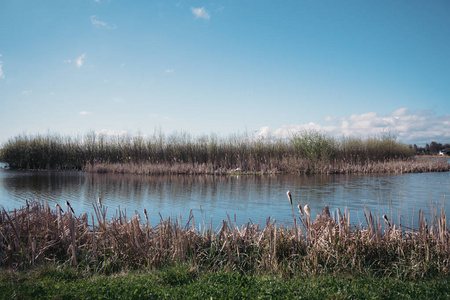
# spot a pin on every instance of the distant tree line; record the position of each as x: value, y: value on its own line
x: 432, y: 148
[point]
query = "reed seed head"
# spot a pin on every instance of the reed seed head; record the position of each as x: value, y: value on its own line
x: 58, y: 207
x: 307, y: 210
x: 289, y: 196
x: 386, y: 220
x: 70, y: 207
x: 327, y: 211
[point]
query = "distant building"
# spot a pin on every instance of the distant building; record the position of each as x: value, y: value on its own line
x: 444, y: 152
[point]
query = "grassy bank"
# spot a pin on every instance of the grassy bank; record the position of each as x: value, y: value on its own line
x: 51, y: 253
x: 307, y: 152
x: 181, y: 282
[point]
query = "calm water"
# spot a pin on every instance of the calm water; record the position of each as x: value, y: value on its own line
x: 246, y: 198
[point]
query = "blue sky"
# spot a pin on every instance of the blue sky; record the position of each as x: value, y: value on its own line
x: 269, y: 68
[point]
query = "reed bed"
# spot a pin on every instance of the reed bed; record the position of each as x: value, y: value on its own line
x: 327, y: 244
x: 286, y: 166
x: 308, y: 152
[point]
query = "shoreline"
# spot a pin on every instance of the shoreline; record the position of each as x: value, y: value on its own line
x: 416, y: 164
x: 294, y: 166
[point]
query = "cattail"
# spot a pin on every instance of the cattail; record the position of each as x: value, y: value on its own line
x: 70, y: 207
x: 145, y: 213
x: 307, y: 210
x: 99, y: 202
x: 59, y: 207
x: 386, y: 220
x: 289, y: 196
x: 300, y: 209
x: 327, y: 211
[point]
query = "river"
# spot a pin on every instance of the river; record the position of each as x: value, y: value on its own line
x: 242, y: 198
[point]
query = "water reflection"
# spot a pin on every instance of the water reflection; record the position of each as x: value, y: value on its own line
x: 249, y: 198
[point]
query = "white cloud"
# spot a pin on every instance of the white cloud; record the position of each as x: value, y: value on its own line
x: 84, y: 113
x: 80, y: 60
x: 170, y: 71
x: 112, y: 132
x: 99, y: 23
x: 413, y: 127
x: 200, y: 13
x: 26, y: 92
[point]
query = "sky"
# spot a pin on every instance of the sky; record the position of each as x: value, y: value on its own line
x: 268, y: 68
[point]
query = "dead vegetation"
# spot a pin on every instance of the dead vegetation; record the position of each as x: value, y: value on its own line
x: 329, y: 243
x: 308, y: 152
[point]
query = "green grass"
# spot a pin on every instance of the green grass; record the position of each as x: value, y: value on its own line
x: 182, y: 282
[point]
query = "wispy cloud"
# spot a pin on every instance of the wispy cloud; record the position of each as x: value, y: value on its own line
x: 200, y: 13
x: 99, y: 23
x: 413, y: 127
x: 84, y: 113
x: 80, y: 60
x: 1, y: 71
x: 170, y: 70
x: 26, y: 92
x: 157, y: 116
x: 109, y: 132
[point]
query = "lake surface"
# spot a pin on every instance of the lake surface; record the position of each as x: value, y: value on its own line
x: 244, y: 198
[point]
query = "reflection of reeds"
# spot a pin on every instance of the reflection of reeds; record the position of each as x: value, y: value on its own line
x: 304, y: 153
x: 329, y: 243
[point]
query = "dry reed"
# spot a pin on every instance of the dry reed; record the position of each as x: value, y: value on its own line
x: 308, y: 152
x: 329, y: 243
